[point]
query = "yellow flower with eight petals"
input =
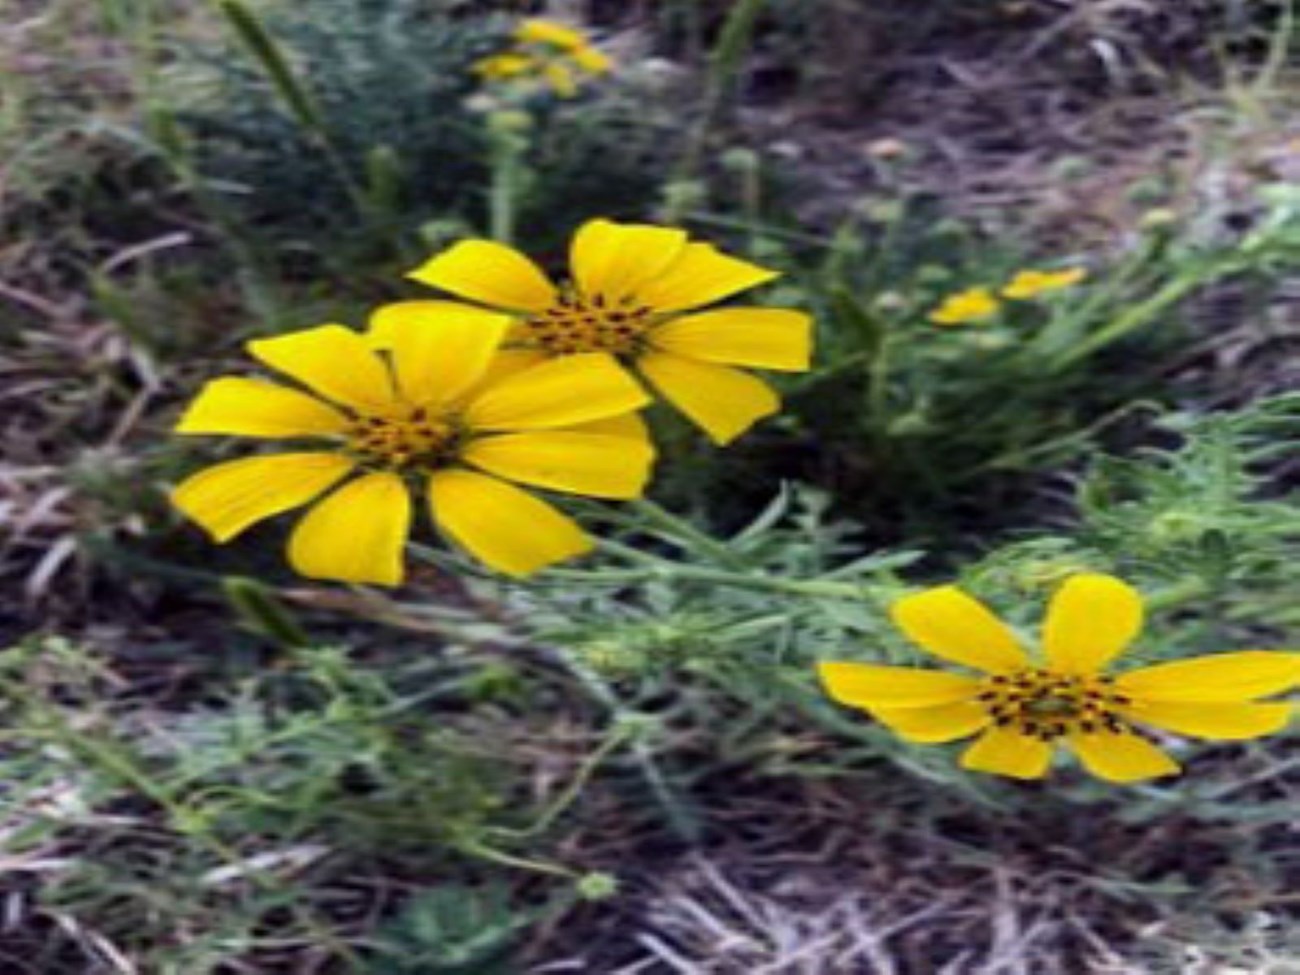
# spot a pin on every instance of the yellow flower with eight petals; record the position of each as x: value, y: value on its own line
x: 1031, y: 284
x: 631, y: 284
x: 1021, y: 708
x: 971, y: 305
x: 444, y: 413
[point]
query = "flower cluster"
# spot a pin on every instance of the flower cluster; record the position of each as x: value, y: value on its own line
x: 980, y: 303
x: 548, y: 54
x: 536, y: 385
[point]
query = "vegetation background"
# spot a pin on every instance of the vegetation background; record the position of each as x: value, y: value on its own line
x: 210, y: 766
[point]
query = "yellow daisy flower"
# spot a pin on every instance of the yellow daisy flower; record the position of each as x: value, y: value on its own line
x: 1031, y: 284
x: 1021, y: 708
x: 630, y: 285
x: 971, y: 305
x: 444, y: 414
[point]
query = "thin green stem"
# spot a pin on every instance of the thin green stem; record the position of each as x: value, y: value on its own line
x: 569, y: 794
x: 667, y: 570
x: 682, y: 821
x: 492, y: 854
x: 687, y: 535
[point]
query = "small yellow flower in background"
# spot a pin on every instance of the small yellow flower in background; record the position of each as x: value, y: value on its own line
x: 445, y: 414
x: 1021, y: 708
x: 549, y: 53
x: 1031, y: 284
x: 630, y: 285
x: 535, y: 30
x: 501, y: 67
x: 971, y: 305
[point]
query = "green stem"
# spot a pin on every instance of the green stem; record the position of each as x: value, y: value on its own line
x: 1135, y: 317
x: 1177, y: 594
x: 665, y: 570
x: 682, y: 821
x: 724, y: 65
x: 492, y: 854
x: 570, y: 793
x: 509, y: 144
x: 686, y: 535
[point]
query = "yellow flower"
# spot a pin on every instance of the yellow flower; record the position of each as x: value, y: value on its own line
x: 970, y: 305
x: 550, y: 32
x: 630, y: 285
x: 443, y: 413
x: 547, y: 53
x: 1021, y: 708
x: 592, y: 61
x: 500, y: 67
x: 560, y: 78
x: 1031, y: 284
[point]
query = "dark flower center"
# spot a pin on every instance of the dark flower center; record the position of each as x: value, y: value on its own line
x: 1048, y: 705
x: 576, y: 323
x: 418, y: 441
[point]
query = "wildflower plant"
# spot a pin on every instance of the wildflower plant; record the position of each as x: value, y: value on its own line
x: 442, y: 413
x: 636, y: 292
x: 1021, y: 707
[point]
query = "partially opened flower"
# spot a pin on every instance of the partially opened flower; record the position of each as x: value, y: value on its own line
x: 971, y: 305
x: 635, y: 292
x: 1021, y: 707
x: 1031, y: 284
x: 442, y: 414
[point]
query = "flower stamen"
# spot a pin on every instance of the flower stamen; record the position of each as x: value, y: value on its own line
x: 1047, y: 705
x: 577, y: 323
x: 418, y: 441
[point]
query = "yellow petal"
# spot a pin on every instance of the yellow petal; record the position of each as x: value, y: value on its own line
x: 875, y: 686
x: 335, y: 361
x: 538, y: 30
x: 506, y: 528
x: 701, y: 276
x: 438, y: 354
x: 1091, y: 619
x: 356, y: 534
x: 226, y: 498
x: 486, y: 271
x: 580, y: 463
x: 592, y: 61
x: 763, y: 338
x: 1030, y: 284
x: 1220, y: 677
x: 611, y: 259
x: 1122, y: 757
x: 556, y: 393
x: 1004, y: 751
x: 627, y: 425
x: 387, y: 317
x: 942, y: 722
x: 507, y: 362
x: 966, y: 306
x: 254, y: 408
x: 1215, y: 720
x: 952, y: 625
x: 561, y: 79
x: 724, y: 402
